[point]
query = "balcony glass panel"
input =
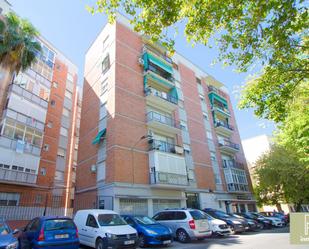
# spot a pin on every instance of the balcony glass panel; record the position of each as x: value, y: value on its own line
x: 158, y: 177
x: 162, y: 146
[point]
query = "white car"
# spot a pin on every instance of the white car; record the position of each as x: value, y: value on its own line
x: 99, y: 228
x: 218, y: 227
x: 275, y: 221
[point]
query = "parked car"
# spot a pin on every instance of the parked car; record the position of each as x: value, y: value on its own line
x: 218, y: 227
x: 284, y: 217
x: 149, y: 231
x: 49, y: 232
x: 100, y: 228
x: 276, y: 222
x: 186, y: 224
x: 7, y: 238
x: 253, y: 225
x: 264, y: 223
x: 236, y: 225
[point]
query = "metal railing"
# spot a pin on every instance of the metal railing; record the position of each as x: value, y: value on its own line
x: 162, y: 146
x: 155, y: 116
x: 223, y: 124
x: 162, y: 95
x: 12, y: 143
x: 159, y: 177
x: 232, y: 163
x: 17, y: 176
x: 161, y: 74
x: 229, y: 144
x: 221, y: 108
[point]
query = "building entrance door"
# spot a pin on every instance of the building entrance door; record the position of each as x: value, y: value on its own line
x: 193, y: 200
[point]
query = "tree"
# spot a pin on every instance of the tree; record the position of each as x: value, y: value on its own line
x: 282, y: 177
x: 271, y: 34
x: 18, y: 47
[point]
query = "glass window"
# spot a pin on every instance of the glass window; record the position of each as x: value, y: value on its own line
x: 19, y: 132
x: 8, y: 131
x: 105, y: 64
x: 104, y: 86
x: 29, y: 135
x: 63, y: 131
x: 110, y: 220
x: 198, y: 215
x: 209, y: 135
x: 58, y: 224
x: 66, y: 112
x: 61, y: 152
x: 68, y: 94
x: 91, y: 222
x: 145, y: 220
x: 105, y: 43
x: 55, y: 84
x: 180, y: 215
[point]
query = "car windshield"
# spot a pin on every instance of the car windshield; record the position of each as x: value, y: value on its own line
x: 145, y: 220
x: 58, y: 224
x: 110, y: 220
x: 209, y: 217
x: 198, y: 215
x: 250, y: 216
x: 4, y: 230
x: 222, y: 215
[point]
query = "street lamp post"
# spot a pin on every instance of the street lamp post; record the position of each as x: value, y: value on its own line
x: 132, y: 153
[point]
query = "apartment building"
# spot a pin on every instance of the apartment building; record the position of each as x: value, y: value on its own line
x: 156, y: 131
x: 39, y: 136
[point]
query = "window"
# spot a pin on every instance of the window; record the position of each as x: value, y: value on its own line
x: 68, y: 94
x: 91, y: 222
x: 105, y: 43
x: 198, y: 81
x: 70, y: 77
x: 205, y: 115
x: 61, y: 152
x: 201, y: 97
x: 66, y: 112
x: 191, y: 174
x: 213, y: 156
x: 209, y: 135
x: 43, y: 171
x: 53, y: 103
x: 104, y: 86
x: 50, y: 124
x: 46, y: 147
x: 164, y: 216
x: 105, y: 64
x: 55, y: 84
x: 183, y: 126
x: 63, y: 132
x: 9, y: 199
x: 180, y: 216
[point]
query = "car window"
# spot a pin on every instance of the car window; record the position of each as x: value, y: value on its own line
x: 58, y: 224
x: 129, y: 220
x: 91, y: 222
x: 198, y: 215
x: 4, y: 229
x: 110, y: 220
x: 164, y: 216
x: 144, y: 220
x: 222, y: 214
x: 179, y: 215
x: 35, y: 226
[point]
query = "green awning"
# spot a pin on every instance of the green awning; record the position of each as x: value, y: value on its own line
x: 99, y: 136
x: 213, y: 96
x: 160, y: 63
x: 160, y: 80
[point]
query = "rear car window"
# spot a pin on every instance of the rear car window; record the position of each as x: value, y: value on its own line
x: 58, y: 224
x: 180, y: 216
x: 198, y: 215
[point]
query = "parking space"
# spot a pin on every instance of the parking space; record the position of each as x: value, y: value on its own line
x: 277, y: 238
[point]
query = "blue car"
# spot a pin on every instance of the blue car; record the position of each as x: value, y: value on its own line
x: 49, y: 232
x: 150, y: 232
x: 7, y: 239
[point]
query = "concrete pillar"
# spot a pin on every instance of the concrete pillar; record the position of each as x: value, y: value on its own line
x: 116, y: 205
x: 150, y: 207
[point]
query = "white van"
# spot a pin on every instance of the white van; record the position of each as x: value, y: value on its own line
x: 100, y: 229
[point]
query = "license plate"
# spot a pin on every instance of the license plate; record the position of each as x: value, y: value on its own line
x: 61, y: 236
x: 167, y: 242
x: 129, y: 242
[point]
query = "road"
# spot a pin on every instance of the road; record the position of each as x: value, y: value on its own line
x: 272, y: 239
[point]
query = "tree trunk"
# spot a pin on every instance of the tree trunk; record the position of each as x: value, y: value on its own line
x: 278, y: 206
x: 6, y: 76
x: 298, y: 207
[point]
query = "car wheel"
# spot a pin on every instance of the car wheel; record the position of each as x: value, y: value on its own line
x: 182, y: 236
x: 100, y: 244
x: 142, y: 241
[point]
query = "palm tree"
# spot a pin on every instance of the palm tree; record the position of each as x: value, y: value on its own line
x: 18, y: 49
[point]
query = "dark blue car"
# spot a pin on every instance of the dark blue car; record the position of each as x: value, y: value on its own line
x: 49, y: 232
x: 7, y: 239
x: 150, y: 232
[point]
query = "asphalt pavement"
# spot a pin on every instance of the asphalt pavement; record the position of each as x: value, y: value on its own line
x: 267, y: 239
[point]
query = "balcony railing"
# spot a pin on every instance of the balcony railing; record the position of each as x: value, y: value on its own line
x: 228, y: 143
x: 165, y: 76
x: 222, y: 109
x: 156, y: 53
x: 162, y: 95
x: 223, y: 124
x: 232, y: 163
x: 155, y: 116
x: 158, y: 177
x: 162, y: 146
x: 12, y: 144
x: 28, y: 95
x: 236, y: 187
x: 17, y: 176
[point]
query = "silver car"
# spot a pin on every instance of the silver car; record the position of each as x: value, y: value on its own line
x: 186, y: 224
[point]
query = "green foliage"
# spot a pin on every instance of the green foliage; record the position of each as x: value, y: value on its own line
x: 281, y: 176
x: 18, y: 46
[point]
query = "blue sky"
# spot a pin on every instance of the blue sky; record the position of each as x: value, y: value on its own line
x: 71, y: 29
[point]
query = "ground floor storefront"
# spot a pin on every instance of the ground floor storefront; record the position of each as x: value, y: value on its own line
x: 146, y: 200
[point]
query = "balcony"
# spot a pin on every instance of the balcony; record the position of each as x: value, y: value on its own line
x: 166, y: 180
x: 165, y: 147
x: 223, y: 128
x: 153, y: 78
x: 236, y: 180
x: 162, y: 100
x: 12, y: 144
x: 17, y: 177
x: 158, y: 55
x: 232, y: 164
x: 228, y: 147
x: 161, y: 122
x: 167, y: 168
x: 221, y: 111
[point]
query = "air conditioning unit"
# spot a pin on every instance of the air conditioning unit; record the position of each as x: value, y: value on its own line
x: 141, y: 61
x: 179, y: 150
